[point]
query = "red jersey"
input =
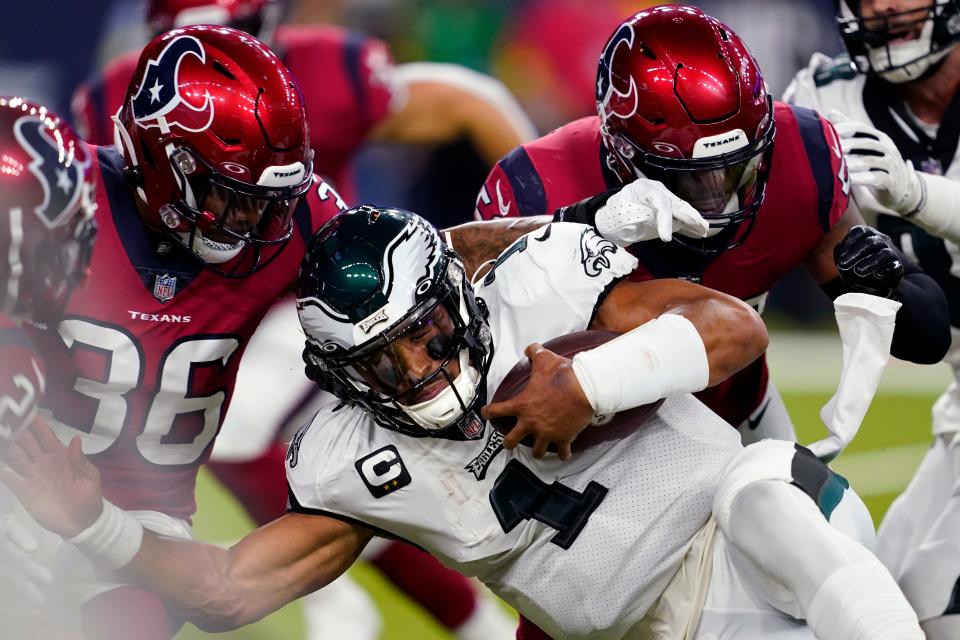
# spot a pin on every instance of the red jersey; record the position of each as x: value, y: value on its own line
x: 805, y: 196
x: 345, y: 80
x: 145, y: 356
x: 21, y: 378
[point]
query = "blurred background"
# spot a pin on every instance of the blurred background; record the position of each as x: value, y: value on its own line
x: 545, y: 52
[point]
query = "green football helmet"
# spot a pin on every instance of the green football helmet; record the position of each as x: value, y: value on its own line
x: 392, y: 323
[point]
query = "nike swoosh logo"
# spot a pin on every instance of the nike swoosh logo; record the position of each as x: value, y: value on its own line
x: 753, y: 423
x: 504, y: 207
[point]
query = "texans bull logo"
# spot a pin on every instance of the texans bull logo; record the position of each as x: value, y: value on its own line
x: 608, y: 95
x: 61, y: 176
x: 158, y: 102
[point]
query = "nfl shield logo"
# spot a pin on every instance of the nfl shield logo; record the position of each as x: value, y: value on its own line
x: 472, y: 426
x: 164, y: 287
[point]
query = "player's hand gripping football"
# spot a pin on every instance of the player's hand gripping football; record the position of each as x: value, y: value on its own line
x: 874, y: 162
x: 868, y: 262
x: 551, y: 407
x: 644, y: 210
x: 56, y: 484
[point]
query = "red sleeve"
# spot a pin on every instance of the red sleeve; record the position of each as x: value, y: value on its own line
x: 838, y: 165
x: 98, y: 99
x: 90, y: 122
x: 325, y: 203
x: 496, y: 198
x: 377, y: 79
x: 21, y: 381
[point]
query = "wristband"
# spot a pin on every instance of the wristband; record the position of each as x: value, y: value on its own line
x: 112, y: 540
x: 923, y: 198
x: 662, y: 358
x: 585, y: 211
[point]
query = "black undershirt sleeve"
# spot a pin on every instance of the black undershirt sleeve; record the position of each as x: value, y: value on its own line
x: 585, y: 211
x: 922, y: 331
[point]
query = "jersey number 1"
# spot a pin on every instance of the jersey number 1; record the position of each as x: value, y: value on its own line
x: 518, y: 494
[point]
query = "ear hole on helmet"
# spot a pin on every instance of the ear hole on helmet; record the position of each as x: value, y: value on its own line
x: 222, y: 70
x: 645, y: 50
x: 134, y: 177
x: 227, y: 141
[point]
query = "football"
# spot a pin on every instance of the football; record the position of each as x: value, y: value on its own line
x: 610, y: 427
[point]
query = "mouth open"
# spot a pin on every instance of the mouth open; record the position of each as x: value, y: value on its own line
x: 430, y: 392
x: 904, y: 35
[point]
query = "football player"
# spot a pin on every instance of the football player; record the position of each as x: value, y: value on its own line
x: 674, y: 530
x: 203, y: 212
x: 353, y: 93
x: 891, y: 100
x: 46, y: 237
x: 682, y: 102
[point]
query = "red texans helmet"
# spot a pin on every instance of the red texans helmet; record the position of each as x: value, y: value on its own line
x: 257, y: 17
x: 681, y: 100
x: 46, y: 210
x: 215, y: 144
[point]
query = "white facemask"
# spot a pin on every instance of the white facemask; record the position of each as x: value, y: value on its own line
x: 211, y: 251
x: 911, y: 58
x: 443, y: 409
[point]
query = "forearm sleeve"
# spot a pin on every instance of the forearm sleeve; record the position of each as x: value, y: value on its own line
x: 585, y: 211
x: 922, y: 331
x: 939, y: 212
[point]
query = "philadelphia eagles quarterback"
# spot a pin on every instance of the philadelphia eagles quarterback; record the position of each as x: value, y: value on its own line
x: 672, y: 531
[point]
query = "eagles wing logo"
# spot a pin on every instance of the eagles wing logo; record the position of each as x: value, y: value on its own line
x: 606, y: 89
x: 593, y: 253
x: 158, y: 102
x: 59, y: 176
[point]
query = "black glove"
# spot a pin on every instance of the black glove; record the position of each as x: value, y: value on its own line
x: 868, y: 262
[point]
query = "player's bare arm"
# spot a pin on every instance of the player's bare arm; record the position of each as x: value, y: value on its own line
x: 853, y: 257
x: 480, y: 242
x: 446, y: 102
x: 717, y: 336
x: 215, y: 588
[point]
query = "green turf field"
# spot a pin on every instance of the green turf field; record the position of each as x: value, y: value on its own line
x: 878, y: 464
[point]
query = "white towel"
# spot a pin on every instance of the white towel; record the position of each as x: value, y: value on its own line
x: 866, y: 325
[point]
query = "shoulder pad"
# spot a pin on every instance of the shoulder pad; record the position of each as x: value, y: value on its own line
x: 831, y: 69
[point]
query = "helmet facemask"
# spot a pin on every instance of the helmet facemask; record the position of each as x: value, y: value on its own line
x: 447, y: 332
x: 227, y: 221
x: 903, y: 46
x: 727, y: 189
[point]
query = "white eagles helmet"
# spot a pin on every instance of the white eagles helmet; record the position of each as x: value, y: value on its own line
x: 392, y: 323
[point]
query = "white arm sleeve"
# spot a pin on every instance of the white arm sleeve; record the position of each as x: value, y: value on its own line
x: 940, y: 213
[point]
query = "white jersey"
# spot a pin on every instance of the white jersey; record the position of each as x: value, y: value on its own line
x: 582, y: 548
x: 834, y: 84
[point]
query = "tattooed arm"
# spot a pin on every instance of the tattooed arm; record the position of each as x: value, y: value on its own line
x: 479, y: 242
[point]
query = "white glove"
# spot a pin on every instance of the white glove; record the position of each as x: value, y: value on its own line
x: 891, y: 179
x: 644, y: 210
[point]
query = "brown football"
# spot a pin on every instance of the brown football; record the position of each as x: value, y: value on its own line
x: 619, y: 425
